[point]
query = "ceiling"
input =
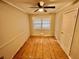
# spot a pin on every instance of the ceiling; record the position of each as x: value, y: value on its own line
x: 24, y: 5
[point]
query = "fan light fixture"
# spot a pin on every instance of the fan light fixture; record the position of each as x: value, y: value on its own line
x: 41, y: 9
x: 41, y: 3
x: 41, y: 6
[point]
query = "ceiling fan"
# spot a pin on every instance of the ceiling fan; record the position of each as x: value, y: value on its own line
x: 41, y: 6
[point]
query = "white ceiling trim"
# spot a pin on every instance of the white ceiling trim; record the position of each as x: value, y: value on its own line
x: 25, y: 12
x: 70, y: 3
x: 13, y: 5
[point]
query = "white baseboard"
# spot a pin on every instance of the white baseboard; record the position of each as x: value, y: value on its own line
x: 69, y: 57
x: 63, y: 49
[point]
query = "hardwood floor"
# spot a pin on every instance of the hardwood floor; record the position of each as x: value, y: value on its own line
x: 41, y: 48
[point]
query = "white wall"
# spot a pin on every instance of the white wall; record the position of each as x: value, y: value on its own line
x: 14, y: 30
x: 59, y: 17
x: 58, y: 24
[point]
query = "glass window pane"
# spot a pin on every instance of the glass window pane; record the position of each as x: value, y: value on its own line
x: 36, y: 21
x: 46, y: 24
x: 46, y: 20
x: 37, y: 24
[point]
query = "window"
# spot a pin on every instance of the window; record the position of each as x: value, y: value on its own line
x: 39, y: 23
x: 46, y: 24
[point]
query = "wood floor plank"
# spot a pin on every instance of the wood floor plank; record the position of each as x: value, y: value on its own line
x: 51, y: 50
x: 41, y: 48
x: 58, y: 52
x: 39, y: 54
x: 46, y: 51
x: 35, y: 49
x: 28, y: 50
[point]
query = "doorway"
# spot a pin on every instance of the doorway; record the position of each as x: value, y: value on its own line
x: 68, y: 27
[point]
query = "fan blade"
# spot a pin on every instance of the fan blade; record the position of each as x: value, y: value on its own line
x: 36, y: 10
x: 39, y: 5
x: 34, y: 7
x: 75, y: 1
x: 45, y: 10
x: 49, y: 7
